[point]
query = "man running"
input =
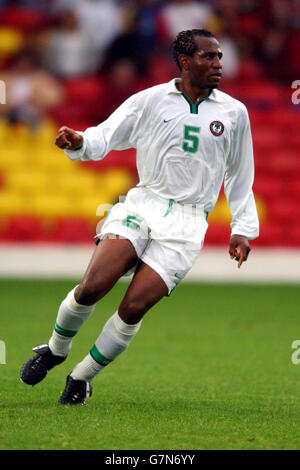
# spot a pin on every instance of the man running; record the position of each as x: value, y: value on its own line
x: 189, y: 138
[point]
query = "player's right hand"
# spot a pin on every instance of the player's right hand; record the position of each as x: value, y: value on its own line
x: 239, y: 248
x: 68, y: 139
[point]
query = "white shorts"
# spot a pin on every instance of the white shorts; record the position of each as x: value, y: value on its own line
x: 166, y: 235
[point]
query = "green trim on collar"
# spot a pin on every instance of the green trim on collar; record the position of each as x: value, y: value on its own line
x: 193, y: 106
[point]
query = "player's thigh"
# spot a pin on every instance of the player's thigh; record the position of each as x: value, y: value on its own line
x: 112, y: 258
x: 144, y: 291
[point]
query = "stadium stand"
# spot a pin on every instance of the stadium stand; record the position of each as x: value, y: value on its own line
x: 46, y: 197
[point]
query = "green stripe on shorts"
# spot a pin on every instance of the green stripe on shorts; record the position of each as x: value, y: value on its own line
x: 171, y: 202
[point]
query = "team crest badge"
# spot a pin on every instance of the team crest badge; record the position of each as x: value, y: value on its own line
x: 216, y: 128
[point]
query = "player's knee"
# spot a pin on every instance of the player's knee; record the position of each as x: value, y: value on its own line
x: 132, y: 309
x: 89, y: 292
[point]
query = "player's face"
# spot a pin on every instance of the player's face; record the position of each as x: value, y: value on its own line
x: 204, y: 67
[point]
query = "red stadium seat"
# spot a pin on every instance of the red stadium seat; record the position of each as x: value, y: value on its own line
x: 250, y: 69
x: 262, y: 164
x: 265, y: 138
x: 217, y: 234
x: 271, y: 234
x: 84, y: 89
x: 292, y: 236
x: 285, y: 164
x: 268, y: 187
x: 284, y: 119
x: 293, y: 50
x: 285, y: 211
x: 293, y: 189
x: 25, y: 19
x: 25, y: 229
x: 160, y: 69
x: 259, y: 118
x: 82, y: 103
x: 263, y: 95
x: 293, y: 142
x: 69, y: 230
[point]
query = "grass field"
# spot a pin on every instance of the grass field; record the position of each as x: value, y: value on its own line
x: 210, y: 369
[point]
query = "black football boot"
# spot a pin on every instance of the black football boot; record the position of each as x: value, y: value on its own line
x: 35, y: 369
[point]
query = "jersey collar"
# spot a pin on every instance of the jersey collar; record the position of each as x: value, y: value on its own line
x: 171, y: 86
x: 215, y: 94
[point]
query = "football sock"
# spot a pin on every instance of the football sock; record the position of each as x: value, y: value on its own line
x: 71, y: 316
x: 113, y: 339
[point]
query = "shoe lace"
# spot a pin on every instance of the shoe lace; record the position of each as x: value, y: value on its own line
x: 41, y: 360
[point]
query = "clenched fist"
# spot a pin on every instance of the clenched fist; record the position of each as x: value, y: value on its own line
x: 68, y: 139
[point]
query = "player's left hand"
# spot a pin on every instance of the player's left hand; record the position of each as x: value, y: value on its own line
x: 239, y: 248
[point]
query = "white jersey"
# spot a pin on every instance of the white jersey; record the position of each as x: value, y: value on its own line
x: 184, y: 150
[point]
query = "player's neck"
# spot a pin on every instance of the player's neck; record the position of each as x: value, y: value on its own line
x: 195, y: 93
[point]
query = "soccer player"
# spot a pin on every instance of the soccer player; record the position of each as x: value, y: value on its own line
x: 189, y: 137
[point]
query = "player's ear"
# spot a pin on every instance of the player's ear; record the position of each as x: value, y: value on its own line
x: 184, y: 61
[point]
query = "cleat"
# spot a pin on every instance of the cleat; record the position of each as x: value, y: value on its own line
x: 35, y: 369
x: 75, y: 392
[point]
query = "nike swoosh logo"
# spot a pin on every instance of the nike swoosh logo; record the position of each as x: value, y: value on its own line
x: 168, y: 120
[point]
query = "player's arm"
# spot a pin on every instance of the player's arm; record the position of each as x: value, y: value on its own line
x: 118, y: 132
x: 238, y: 190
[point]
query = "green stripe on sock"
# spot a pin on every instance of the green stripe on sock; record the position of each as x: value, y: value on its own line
x: 97, y: 356
x: 63, y: 331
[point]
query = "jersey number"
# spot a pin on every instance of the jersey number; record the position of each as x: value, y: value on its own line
x: 191, y: 141
x: 132, y: 222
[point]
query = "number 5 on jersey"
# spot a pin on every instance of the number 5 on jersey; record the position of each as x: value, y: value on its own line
x: 191, y: 139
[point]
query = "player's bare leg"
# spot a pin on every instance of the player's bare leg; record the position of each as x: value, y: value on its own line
x: 113, y: 257
x: 145, y: 290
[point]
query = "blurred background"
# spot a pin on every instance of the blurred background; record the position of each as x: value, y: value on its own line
x: 72, y: 62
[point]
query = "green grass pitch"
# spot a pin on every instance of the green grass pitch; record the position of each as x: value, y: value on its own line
x: 210, y: 369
